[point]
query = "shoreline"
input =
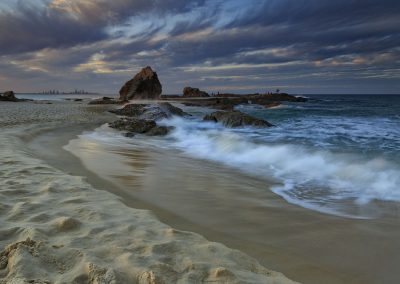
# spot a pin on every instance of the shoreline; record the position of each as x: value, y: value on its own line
x: 277, y: 252
x: 64, y: 231
x: 303, y: 244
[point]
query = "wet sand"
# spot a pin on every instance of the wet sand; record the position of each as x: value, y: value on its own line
x: 57, y: 228
x: 227, y: 206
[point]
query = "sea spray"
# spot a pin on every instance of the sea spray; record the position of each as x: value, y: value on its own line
x: 312, y: 178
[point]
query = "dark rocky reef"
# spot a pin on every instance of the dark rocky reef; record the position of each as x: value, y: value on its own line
x: 189, y: 92
x: 104, y: 101
x: 144, y: 86
x: 236, y: 119
x: 9, y: 96
x: 141, y: 118
x: 150, y: 111
x: 133, y: 126
x: 229, y: 101
x: 217, y: 103
x: 277, y: 97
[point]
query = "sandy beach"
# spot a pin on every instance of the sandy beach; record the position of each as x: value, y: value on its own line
x: 71, y: 217
x: 57, y: 228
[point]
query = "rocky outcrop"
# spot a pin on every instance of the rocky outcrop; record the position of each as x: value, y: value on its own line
x: 104, y: 101
x: 189, y: 92
x: 172, y: 110
x: 255, y: 98
x: 280, y: 97
x: 141, y: 118
x: 236, y: 119
x: 218, y: 103
x: 150, y: 111
x: 144, y: 86
x: 9, y: 96
x: 133, y: 126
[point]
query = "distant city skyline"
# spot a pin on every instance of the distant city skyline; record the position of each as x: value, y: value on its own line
x: 300, y: 47
x: 56, y: 92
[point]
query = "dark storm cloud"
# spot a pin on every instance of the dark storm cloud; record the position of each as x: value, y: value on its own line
x: 61, y: 23
x: 323, y: 29
x: 207, y: 42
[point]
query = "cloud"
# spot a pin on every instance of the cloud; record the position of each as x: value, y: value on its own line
x: 207, y: 43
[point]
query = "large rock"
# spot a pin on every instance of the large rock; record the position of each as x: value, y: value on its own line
x: 132, y: 126
x: 189, y: 92
x: 144, y: 86
x: 104, y: 101
x: 236, y: 119
x: 8, y: 96
x: 150, y: 111
x: 135, y: 110
x: 172, y: 110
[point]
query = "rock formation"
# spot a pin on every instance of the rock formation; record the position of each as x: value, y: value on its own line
x: 141, y: 118
x: 236, y: 119
x: 189, y: 92
x: 133, y: 126
x: 103, y: 101
x: 8, y: 96
x: 144, y: 86
x: 150, y: 111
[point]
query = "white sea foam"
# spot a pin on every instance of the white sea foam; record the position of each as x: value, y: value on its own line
x: 321, y: 180
x: 312, y: 178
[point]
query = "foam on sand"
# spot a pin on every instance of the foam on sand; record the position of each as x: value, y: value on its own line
x: 57, y: 228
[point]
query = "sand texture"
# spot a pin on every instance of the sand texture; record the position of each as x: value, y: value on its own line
x: 56, y: 228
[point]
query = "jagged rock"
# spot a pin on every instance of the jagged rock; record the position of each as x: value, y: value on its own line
x: 144, y: 86
x: 9, y: 96
x: 130, y: 110
x: 150, y: 111
x: 172, y: 110
x: 159, y: 131
x: 133, y: 125
x: 236, y: 119
x: 189, y: 92
x: 104, y: 101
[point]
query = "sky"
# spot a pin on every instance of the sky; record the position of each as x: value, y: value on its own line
x: 241, y: 46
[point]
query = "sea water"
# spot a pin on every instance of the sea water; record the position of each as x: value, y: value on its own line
x: 337, y: 154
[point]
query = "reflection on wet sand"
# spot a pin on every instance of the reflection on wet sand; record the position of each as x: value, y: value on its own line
x: 241, y: 211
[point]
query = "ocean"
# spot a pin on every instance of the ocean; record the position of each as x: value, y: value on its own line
x: 336, y: 154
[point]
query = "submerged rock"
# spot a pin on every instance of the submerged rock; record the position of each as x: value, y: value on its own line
x: 236, y: 119
x: 144, y: 86
x: 104, y: 101
x: 189, y: 92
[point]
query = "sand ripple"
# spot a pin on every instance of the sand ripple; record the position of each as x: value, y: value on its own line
x: 56, y: 228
